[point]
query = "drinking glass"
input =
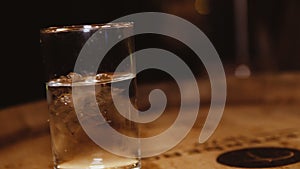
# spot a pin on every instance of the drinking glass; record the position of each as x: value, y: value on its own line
x: 70, y: 113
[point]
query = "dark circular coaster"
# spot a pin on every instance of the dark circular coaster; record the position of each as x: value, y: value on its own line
x: 261, y: 157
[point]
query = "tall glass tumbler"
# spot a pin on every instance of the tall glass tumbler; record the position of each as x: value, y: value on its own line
x: 63, y: 49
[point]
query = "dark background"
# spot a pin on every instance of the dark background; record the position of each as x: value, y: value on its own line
x: 273, y: 32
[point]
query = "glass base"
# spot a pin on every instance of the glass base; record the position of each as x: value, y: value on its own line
x: 99, y: 163
x: 136, y: 165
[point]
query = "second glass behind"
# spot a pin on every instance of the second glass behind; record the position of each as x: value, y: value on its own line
x: 61, y: 48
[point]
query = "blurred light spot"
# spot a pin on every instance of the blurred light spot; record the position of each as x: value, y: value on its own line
x: 242, y: 71
x: 87, y: 28
x: 202, y: 7
x: 60, y: 29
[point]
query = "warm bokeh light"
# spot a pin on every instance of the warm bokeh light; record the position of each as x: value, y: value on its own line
x: 202, y: 7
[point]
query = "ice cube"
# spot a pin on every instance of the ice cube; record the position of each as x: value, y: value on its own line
x: 74, y: 77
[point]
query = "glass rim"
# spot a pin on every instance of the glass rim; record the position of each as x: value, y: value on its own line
x: 85, y: 27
